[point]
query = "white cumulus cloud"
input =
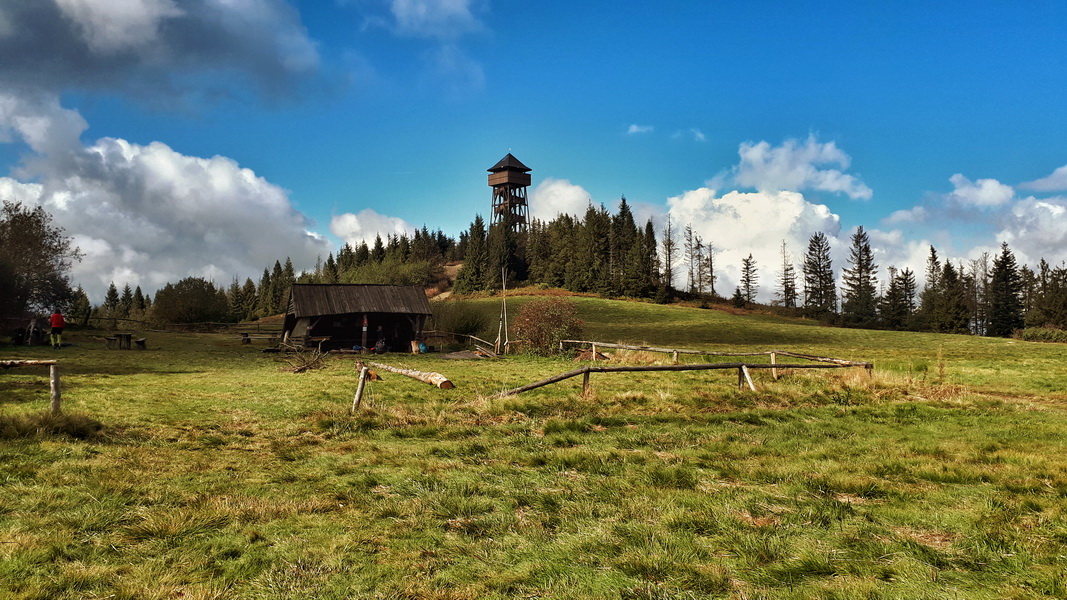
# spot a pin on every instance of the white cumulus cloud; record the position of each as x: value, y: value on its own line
x: 1036, y: 229
x: 439, y: 19
x: 796, y: 166
x: 984, y: 193
x: 365, y: 225
x: 739, y: 223
x: 917, y: 214
x: 117, y: 25
x: 164, y: 51
x: 1056, y: 182
x: 692, y: 133
x: 553, y: 197
x: 147, y: 215
x: 635, y: 129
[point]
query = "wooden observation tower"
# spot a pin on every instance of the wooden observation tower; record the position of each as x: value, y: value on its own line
x: 509, y: 179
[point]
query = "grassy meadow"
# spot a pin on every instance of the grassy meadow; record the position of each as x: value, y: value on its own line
x: 202, y: 468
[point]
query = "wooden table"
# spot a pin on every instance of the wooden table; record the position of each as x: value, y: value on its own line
x: 125, y: 340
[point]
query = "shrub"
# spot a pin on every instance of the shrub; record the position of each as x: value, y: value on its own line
x: 48, y: 424
x: 1044, y: 334
x: 543, y: 322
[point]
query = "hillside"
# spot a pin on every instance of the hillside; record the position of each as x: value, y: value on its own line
x: 202, y: 468
x: 993, y: 365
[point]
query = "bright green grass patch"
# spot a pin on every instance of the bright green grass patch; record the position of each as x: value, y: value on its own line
x: 215, y: 473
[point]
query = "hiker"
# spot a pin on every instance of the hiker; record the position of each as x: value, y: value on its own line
x: 57, y: 323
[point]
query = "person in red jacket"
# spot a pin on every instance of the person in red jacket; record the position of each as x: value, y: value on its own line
x: 57, y: 323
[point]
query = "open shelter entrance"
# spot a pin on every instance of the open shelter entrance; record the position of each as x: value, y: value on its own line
x: 355, y: 316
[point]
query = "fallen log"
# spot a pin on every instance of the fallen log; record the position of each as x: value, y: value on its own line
x: 436, y: 379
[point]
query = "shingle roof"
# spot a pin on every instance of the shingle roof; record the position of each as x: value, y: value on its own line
x: 509, y: 162
x: 311, y: 299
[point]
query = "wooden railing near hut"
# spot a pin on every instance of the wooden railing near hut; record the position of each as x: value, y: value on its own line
x: 743, y: 368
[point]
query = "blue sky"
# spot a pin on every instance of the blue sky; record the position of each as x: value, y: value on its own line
x: 209, y: 137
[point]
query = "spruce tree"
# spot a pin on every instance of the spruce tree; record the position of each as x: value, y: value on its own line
x: 80, y: 308
x: 787, y: 280
x: 264, y: 296
x: 749, y: 279
x: 331, y: 272
x: 1005, y: 295
x: 670, y: 252
x: 249, y: 299
x: 126, y: 301
x: 472, y: 276
x: 820, y: 290
x: 111, y: 300
x: 377, y: 253
x: 896, y: 305
x: 930, y: 297
x: 859, y: 285
x: 651, y: 275
x: 235, y: 300
x: 952, y: 314
x: 362, y: 255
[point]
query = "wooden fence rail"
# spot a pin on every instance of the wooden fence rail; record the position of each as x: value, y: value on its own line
x: 53, y: 378
x: 743, y: 376
x: 773, y: 354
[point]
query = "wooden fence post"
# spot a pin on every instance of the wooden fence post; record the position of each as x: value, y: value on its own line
x: 585, y: 384
x: 359, y: 389
x: 53, y: 384
x: 774, y: 372
x: 748, y: 377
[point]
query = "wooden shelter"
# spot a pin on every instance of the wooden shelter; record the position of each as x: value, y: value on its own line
x: 509, y: 179
x: 349, y: 315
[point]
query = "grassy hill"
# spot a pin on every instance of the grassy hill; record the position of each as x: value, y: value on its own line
x: 218, y: 473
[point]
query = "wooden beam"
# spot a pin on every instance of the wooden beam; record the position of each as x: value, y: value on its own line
x: 661, y: 350
x: 741, y: 367
x: 55, y: 391
x: 435, y: 379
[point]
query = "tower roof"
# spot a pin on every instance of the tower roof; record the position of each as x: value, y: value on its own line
x: 509, y: 163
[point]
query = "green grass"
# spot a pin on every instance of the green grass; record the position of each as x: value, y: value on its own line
x: 202, y: 469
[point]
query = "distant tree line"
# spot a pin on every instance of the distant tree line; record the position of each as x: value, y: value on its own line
x: 600, y: 252
x: 400, y: 260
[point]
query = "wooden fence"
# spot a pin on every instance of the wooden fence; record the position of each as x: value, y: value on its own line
x: 53, y: 377
x: 743, y: 368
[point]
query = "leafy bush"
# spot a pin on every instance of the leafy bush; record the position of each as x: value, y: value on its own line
x: 543, y: 322
x: 1044, y: 334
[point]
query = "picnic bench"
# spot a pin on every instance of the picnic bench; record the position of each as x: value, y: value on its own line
x: 272, y: 340
x: 125, y: 341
